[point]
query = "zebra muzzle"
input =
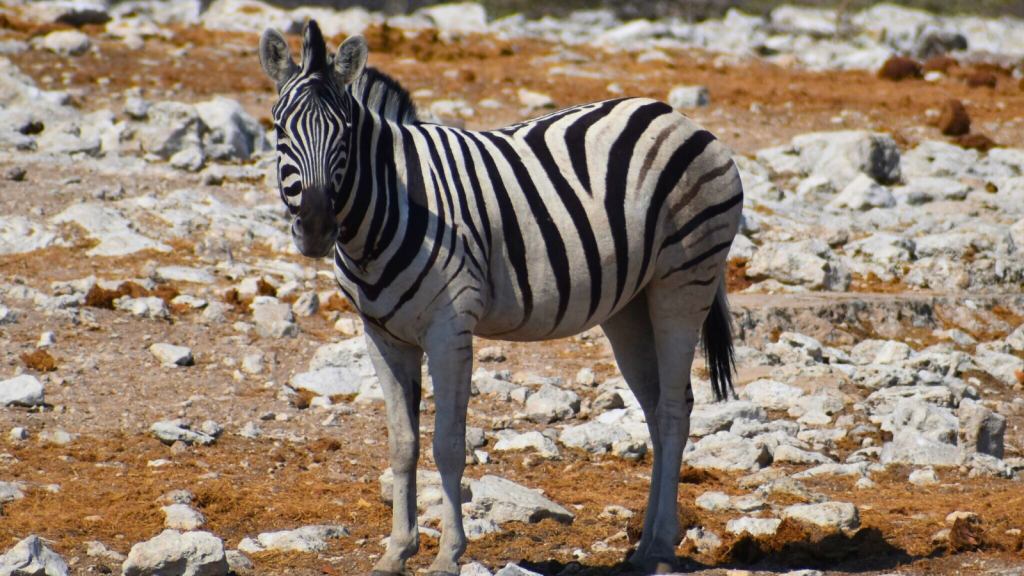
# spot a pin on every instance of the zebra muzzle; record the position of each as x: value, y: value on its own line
x: 314, y: 228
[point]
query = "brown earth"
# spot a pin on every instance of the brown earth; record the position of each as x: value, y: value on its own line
x: 107, y: 389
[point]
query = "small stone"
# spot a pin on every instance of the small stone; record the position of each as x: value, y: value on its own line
x: 172, y: 355
x: 18, y: 433
x: 239, y: 564
x: 705, y: 542
x: 503, y: 501
x: 714, y: 501
x: 970, y: 517
x: 491, y: 354
x: 688, y: 97
x: 609, y: 400
x: 171, y: 431
x: 535, y: 100
x: 551, y: 404
x: 925, y: 477
x: 304, y: 539
x: 46, y: 340
x: 182, y: 517
x: 14, y: 173
x: 586, y: 377
x: 67, y: 42
x: 308, y: 304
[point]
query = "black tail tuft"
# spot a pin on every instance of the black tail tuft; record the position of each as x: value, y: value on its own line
x: 716, y: 342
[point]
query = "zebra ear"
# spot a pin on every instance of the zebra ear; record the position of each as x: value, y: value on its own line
x: 276, y: 57
x: 351, y: 59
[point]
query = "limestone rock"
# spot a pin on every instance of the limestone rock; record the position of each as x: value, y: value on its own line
x: 24, y: 390
x: 31, y: 557
x: 181, y: 554
x: 502, y: 501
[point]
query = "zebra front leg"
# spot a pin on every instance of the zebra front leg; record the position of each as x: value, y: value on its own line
x: 398, y: 368
x: 450, y: 361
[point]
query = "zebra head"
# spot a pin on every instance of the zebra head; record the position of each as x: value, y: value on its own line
x: 311, y: 119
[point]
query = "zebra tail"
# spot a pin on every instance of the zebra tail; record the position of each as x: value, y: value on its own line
x: 716, y: 342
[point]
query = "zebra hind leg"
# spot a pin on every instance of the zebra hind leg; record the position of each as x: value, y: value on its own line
x: 398, y: 369
x: 632, y: 338
x: 677, y: 315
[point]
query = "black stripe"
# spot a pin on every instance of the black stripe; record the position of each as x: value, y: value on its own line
x: 669, y: 179
x: 441, y: 224
x: 512, y: 234
x: 455, y: 176
x: 557, y: 256
x: 691, y: 263
x: 359, y: 182
x: 576, y: 141
x: 385, y: 197
x: 536, y: 141
x: 479, y: 201
x: 438, y: 165
x: 615, y: 185
x: 701, y: 217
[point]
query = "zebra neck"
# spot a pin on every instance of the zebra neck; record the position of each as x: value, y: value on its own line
x: 372, y: 205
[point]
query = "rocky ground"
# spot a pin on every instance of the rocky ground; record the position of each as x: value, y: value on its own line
x: 168, y: 361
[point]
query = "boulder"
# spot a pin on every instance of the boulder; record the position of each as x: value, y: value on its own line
x: 510, y: 441
x: 726, y: 451
x: 594, y: 437
x: 31, y: 557
x: 863, y: 193
x: 502, y: 501
x: 171, y: 431
x: 551, y: 404
x: 24, y: 390
x: 842, y: 156
x: 786, y: 454
x: 704, y: 541
x: 924, y: 418
x: 231, y: 133
x: 913, y: 448
x: 182, y: 517
x: 330, y: 381
x: 1003, y: 367
x: 809, y: 263
x: 181, y: 554
x: 771, y: 395
x: 707, y: 419
x: 304, y: 539
x: 980, y: 429
x: 170, y: 128
x: 273, y: 318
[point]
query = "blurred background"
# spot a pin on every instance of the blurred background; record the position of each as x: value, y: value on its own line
x: 687, y: 9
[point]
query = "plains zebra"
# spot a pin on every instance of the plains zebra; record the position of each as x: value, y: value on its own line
x: 617, y: 213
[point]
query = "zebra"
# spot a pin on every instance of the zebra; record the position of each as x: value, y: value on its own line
x: 618, y: 213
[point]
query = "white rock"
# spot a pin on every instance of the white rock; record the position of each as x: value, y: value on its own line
x: 171, y: 431
x: 231, y: 132
x: 980, y: 429
x: 114, y: 231
x: 786, y: 454
x: 912, y: 448
x: 535, y: 100
x: 19, y: 235
x: 703, y: 540
x: 1001, y: 366
x: 185, y: 274
x: 502, y: 501
x: 594, y: 437
x: 726, y: 451
x: 428, y: 483
x: 170, y: 128
x: 713, y: 501
x: 147, y: 307
x: 247, y: 16
x: 842, y: 156
x: 511, y: 569
x: 465, y: 17
x: 173, y: 552
x: 67, y: 42
x: 924, y: 477
x: 863, y: 193
x: 182, y: 517
x: 304, y: 539
x: 707, y: 419
x: 688, y: 97
x: 531, y: 440
x: 474, y: 569
x: 31, y: 557
x: 274, y: 318
x: 771, y: 394
x: 551, y: 404
x: 753, y: 526
x: 836, y: 515
x: 331, y: 381
x: 929, y: 420
x: 171, y: 354
x: 11, y: 491
x: 809, y: 263
x: 307, y: 305
x: 24, y: 390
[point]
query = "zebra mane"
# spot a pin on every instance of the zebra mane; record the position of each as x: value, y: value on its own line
x: 377, y: 91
